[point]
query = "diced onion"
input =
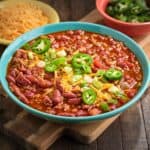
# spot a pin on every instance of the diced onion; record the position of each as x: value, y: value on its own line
x: 88, y: 79
x: 76, y: 78
x: 61, y: 53
x: 41, y: 64
x: 30, y: 55
x: 67, y: 69
x: 113, y: 89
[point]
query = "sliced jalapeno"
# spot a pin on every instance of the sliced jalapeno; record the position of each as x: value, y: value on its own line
x: 81, y: 59
x: 89, y: 96
x: 86, y: 69
x: 82, y: 62
x: 112, y: 101
x: 84, y: 84
x: 113, y: 74
x: 97, y: 84
x: 26, y: 46
x: 104, y: 107
x: 76, y: 78
x: 83, y: 70
x: 51, y: 67
x: 100, y: 73
x: 55, y: 64
x: 41, y: 46
x: 49, y: 55
x: 78, y: 71
x: 121, y: 95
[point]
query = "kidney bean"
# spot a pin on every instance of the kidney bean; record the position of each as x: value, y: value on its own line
x: 80, y: 32
x: 22, y: 80
x: 32, y: 79
x: 70, y: 32
x: 69, y: 114
x: 65, y: 37
x: 131, y: 92
x: 36, y: 71
x: 15, y: 60
x: 22, y: 68
x: 56, y: 45
x: 21, y: 54
x: 29, y: 94
x: 39, y: 81
x: 61, y: 43
x: 126, y: 76
x: 47, y: 101
x: 112, y: 107
x: 39, y: 90
x: 138, y: 77
x: 66, y: 107
x: 51, y: 37
x: 82, y: 49
x: 57, y: 97
x: 74, y: 101
x: 78, y: 37
x: 50, y: 111
x: 88, y: 51
x: 129, y: 64
x: 74, y: 110
x: 14, y: 72
x: 132, y: 57
x: 48, y: 76
x: 10, y: 79
x: 59, y: 106
x: 132, y: 82
x: 59, y: 86
x: 121, y: 62
x: 94, y: 111
x: 28, y: 72
x: 69, y: 95
x: 82, y: 113
x: 77, y: 91
x: 86, y: 107
x: 109, y: 62
x: 44, y: 83
x: 17, y: 91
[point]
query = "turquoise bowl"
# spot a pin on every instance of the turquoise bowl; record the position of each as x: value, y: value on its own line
x: 135, y: 48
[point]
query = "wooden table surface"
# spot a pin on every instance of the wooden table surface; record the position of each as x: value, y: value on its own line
x: 131, y: 131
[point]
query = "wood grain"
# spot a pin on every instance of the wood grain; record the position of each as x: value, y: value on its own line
x: 132, y: 129
x: 146, y: 114
x: 93, y: 16
x: 63, y: 143
x: 112, y: 138
x: 46, y: 135
x: 78, y: 8
x: 115, y: 138
x: 87, y: 133
x: 63, y: 7
x: 74, y: 145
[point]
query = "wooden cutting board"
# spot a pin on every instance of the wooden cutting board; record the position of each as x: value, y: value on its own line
x: 36, y: 133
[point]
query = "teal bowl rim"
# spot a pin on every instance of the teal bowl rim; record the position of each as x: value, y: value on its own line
x: 6, y: 56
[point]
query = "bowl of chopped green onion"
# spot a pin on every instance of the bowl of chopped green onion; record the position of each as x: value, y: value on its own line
x: 129, y: 16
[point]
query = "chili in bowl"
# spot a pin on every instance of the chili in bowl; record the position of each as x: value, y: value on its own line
x: 74, y: 72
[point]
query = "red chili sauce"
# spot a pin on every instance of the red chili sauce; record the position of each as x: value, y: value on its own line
x: 74, y: 73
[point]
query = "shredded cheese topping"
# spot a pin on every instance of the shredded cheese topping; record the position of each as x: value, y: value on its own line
x: 18, y: 18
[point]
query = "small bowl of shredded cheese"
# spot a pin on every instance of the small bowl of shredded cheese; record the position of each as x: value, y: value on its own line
x: 16, y: 18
